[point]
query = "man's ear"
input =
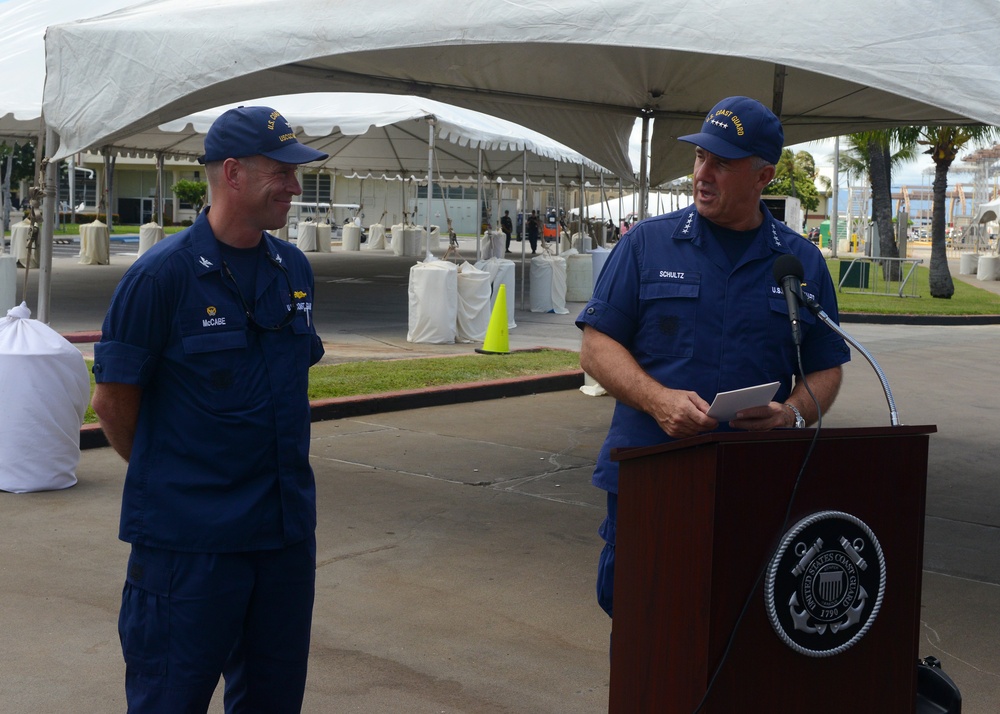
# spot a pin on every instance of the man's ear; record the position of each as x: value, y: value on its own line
x: 767, y: 175
x: 234, y: 173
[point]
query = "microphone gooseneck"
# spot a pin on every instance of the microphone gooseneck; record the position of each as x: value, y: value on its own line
x: 788, y: 265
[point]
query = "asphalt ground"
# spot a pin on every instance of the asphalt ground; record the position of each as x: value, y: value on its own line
x: 457, y: 544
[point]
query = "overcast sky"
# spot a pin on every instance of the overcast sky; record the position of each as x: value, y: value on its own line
x: 916, y: 173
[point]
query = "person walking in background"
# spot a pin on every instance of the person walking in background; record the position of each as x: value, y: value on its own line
x: 533, y: 231
x: 687, y: 306
x: 202, y: 373
x: 507, y: 226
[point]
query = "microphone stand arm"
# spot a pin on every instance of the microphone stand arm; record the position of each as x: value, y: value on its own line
x: 815, y: 309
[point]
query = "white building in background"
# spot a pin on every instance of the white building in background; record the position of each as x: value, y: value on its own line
x: 385, y: 201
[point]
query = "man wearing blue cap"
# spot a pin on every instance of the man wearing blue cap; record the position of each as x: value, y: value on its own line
x: 202, y: 374
x: 687, y: 306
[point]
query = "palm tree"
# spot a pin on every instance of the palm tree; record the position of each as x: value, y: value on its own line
x: 795, y: 175
x: 944, y: 144
x: 873, y: 155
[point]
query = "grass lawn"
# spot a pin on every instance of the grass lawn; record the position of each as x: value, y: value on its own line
x: 375, y: 377
x: 73, y: 229
x: 967, y: 300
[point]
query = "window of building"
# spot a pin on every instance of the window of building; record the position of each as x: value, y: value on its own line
x: 315, y: 188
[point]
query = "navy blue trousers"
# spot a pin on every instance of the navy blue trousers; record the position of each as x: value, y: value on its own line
x: 187, y: 618
x: 606, y: 563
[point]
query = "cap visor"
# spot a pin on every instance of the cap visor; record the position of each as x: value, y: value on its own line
x: 296, y: 154
x: 715, y: 145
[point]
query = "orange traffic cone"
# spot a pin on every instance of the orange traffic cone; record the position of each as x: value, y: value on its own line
x: 497, y: 338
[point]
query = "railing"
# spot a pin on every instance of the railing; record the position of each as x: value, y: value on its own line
x: 879, y: 276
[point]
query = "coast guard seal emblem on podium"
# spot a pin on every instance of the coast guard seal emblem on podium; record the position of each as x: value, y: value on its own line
x: 825, y: 584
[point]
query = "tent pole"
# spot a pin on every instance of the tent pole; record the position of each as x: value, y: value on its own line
x: 558, y: 221
x: 479, y: 206
x: 524, y: 216
x: 621, y: 206
x: 834, y: 218
x: 644, y: 167
x: 430, y: 185
x: 604, y: 221
x: 159, y: 188
x: 49, y: 202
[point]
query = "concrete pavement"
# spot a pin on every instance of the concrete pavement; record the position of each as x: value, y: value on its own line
x: 457, y: 544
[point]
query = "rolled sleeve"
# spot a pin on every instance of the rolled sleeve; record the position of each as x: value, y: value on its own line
x: 122, y: 363
x: 613, y: 307
x: 605, y: 318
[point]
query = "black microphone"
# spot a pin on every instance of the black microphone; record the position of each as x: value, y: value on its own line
x: 789, y: 273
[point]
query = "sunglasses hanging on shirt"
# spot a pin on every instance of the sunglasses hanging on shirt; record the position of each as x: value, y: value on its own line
x: 252, y: 322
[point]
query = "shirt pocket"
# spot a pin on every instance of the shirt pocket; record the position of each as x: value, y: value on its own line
x: 668, y: 318
x: 221, y: 364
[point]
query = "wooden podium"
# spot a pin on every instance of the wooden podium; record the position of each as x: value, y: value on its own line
x: 699, y: 521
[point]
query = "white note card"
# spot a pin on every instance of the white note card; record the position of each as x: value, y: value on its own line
x: 726, y: 404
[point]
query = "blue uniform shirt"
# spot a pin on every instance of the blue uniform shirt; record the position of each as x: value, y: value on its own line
x: 220, y: 460
x: 695, y: 321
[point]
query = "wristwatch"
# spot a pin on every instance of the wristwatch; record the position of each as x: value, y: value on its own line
x: 800, y: 423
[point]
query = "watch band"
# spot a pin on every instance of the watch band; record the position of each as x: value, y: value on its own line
x: 800, y: 423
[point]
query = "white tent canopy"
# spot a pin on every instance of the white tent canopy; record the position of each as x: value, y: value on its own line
x: 367, y: 135
x: 578, y: 71
x: 23, y: 24
x: 988, y: 212
x: 386, y: 136
x: 616, y: 209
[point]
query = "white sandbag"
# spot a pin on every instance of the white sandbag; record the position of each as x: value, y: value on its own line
x: 582, y: 242
x: 433, y: 302
x: 501, y: 272
x: 44, y: 390
x: 579, y: 276
x: 988, y: 267
x: 435, y: 239
x: 20, y: 235
x: 600, y: 257
x: 413, y: 241
x: 474, y: 307
x: 493, y: 244
x: 967, y: 263
x: 548, y: 284
x: 8, y: 282
x: 351, y: 237
x: 324, y: 236
x: 149, y: 235
x: 376, y: 237
x: 306, y: 240
x: 396, y: 240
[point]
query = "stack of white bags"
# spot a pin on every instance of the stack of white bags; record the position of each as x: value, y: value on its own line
x: 44, y: 390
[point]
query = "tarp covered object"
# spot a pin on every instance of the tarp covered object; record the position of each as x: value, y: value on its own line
x: 473, y: 304
x: 433, y: 295
x: 548, y: 284
x: 44, y: 390
x: 501, y: 272
x: 577, y: 71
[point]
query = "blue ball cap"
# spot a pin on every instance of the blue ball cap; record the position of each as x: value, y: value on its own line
x: 252, y: 131
x: 738, y: 127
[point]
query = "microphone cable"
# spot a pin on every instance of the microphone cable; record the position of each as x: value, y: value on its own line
x: 781, y: 531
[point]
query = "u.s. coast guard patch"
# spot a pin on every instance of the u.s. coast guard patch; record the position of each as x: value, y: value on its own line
x: 825, y: 584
